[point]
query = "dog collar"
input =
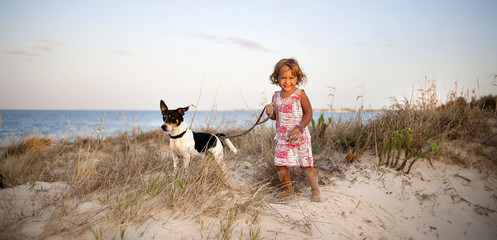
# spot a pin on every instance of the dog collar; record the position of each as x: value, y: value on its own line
x: 177, y: 136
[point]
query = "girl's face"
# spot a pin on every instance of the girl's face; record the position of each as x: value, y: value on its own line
x: 286, y: 79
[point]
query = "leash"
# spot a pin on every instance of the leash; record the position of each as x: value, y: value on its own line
x: 258, y: 122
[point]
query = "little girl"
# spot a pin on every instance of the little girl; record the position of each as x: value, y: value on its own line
x: 292, y: 111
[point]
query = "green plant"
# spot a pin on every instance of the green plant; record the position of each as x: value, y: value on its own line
x: 155, y: 186
x: 98, y: 233
x: 316, y: 149
x: 254, y: 233
x: 179, y: 183
x: 432, y: 149
x: 122, y: 233
x: 397, y: 143
x: 321, y: 126
x: 409, y: 152
x: 383, y: 151
x: 226, y: 228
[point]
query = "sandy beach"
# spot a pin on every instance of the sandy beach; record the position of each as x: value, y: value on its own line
x: 443, y: 201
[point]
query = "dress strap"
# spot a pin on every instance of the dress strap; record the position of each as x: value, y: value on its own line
x: 275, y: 95
x: 298, y: 92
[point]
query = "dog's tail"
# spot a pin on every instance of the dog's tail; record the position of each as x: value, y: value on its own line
x: 230, y: 145
x: 227, y: 141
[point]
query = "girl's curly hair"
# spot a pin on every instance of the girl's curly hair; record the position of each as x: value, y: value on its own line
x: 294, y: 67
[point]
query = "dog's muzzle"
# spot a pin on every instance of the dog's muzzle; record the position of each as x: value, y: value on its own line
x: 164, y: 128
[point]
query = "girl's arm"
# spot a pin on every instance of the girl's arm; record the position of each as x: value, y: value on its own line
x: 306, y: 109
x: 270, y: 111
x: 306, y: 118
x: 273, y: 117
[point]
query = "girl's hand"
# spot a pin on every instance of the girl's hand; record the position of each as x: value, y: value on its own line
x: 295, y: 134
x: 270, y: 109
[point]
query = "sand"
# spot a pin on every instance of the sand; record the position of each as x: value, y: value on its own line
x: 443, y: 201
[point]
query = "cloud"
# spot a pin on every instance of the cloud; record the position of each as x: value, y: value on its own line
x: 50, y: 42
x: 237, y: 40
x: 40, y: 46
x: 123, y: 52
x: 210, y: 37
x: 43, y: 47
x: 247, y: 43
x: 391, y: 45
x: 46, y: 45
x: 22, y: 53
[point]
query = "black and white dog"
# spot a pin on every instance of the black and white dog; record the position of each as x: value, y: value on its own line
x: 185, y: 143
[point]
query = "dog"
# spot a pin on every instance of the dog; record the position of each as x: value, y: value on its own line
x: 185, y: 143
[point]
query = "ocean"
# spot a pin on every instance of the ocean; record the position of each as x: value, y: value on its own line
x: 67, y: 124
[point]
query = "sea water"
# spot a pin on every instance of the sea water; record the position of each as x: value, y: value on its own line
x: 60, y: 124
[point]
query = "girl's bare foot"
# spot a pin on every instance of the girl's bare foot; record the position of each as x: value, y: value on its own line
x: 288, y: 192
x: 316, y: 197
x: 311, y: 174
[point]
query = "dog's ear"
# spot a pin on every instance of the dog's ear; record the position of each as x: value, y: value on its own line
x: 183, y: 110
x: 163, y: 107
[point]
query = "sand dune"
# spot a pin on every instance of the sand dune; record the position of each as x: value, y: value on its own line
x: 443, y: 201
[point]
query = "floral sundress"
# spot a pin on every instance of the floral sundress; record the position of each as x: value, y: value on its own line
x: 288, y: 114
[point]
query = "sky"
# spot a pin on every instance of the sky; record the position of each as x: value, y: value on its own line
x: 128, y: 55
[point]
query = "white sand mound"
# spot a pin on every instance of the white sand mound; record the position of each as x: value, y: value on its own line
x: 440, y: 202
x: 32, y: 204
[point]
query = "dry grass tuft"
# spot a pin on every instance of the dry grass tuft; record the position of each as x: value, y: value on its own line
x: 25, y: 144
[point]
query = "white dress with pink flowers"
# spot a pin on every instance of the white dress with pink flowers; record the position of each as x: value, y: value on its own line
x: 288, y: 114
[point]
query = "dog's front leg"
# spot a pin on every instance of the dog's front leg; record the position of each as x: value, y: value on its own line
x: 187, y: 160
x: 175, y: 161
